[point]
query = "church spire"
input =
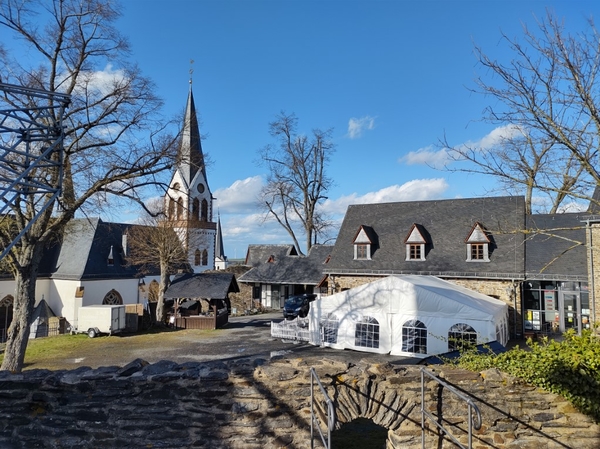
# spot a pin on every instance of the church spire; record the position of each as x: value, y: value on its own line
x: 191, y: 158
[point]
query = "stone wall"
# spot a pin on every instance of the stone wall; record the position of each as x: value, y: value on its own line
x: 254, y: 404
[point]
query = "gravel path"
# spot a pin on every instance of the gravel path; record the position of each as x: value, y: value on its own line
x: 243, y: 337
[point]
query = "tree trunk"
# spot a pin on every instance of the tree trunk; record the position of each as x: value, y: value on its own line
x: 164, y: 284
x: 18, y: 331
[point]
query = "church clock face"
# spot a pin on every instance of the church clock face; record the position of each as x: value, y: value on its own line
x: 201, y: 188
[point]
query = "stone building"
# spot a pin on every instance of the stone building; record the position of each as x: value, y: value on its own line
x: 537, y: 264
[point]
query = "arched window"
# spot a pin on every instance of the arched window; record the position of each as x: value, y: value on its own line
x: 196, y: 209
x: 171, y: 209
x: 6, y: 316
x: 197, y: 257
x: 153, y: 291
x: 414, y: 337
x: 179, y: 208
x: 366, y: 334
x: 204, y: 257
x: 461, y: 335
x: 204, y: 211
x: 113, y: 298
x: 329, y: 328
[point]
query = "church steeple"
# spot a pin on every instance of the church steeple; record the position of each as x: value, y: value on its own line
x: 188, y: 200
x: 191, y: 158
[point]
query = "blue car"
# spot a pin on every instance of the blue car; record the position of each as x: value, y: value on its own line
x: 297, y: 306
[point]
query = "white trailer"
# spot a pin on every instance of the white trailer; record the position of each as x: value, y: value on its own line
x: 101, y: 319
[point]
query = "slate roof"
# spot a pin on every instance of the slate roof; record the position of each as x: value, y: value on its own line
x: 259, y: 254
x: 203, y: 285
x: 190, y: 150
x: 84, y: 251
x: 272, y: 264
x: 446, y: 224
x: 559, y: 252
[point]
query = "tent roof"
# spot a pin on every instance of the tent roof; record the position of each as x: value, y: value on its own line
x: 203, y: 285
x: 418, y: 296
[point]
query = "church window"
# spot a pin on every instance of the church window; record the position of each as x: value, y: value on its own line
x: 179, y: 208
x: 204, y: 257
x: 204, y: 211
x: 195, y: 209
x: 197, y: 257
x: 112, y: 298
x: 153, y: 291
x: 201, y: 188
x: 171, y: 209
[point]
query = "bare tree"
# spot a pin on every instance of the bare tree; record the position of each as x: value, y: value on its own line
x: 113, y: 144
x: 297, y: 179
x: 546, y: 100
x: 155, y: 243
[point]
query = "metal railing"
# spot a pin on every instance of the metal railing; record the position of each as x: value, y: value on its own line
x: 314, y: 420
x: 434, y: 419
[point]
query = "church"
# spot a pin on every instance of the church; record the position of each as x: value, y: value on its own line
x: 89, y: 265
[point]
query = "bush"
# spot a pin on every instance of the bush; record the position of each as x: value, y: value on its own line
x: 570, y: 367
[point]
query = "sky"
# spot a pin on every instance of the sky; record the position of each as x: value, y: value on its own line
x: 390, y: 77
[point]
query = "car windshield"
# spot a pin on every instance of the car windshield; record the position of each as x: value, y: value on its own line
x: 294, y: 301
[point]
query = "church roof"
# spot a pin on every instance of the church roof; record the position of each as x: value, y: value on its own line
x: 89, y: 249
x: 191, y: 158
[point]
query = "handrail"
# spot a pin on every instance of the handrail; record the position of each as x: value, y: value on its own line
x: 313, y: 418
x: 425, y: 413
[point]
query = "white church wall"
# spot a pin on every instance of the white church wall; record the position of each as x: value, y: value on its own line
x: 7, y: 288
x: 95, y: 291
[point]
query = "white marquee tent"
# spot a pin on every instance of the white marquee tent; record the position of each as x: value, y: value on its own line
x: 410, y: 315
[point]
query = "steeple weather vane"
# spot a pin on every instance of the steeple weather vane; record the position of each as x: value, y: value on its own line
x: 191, y: 69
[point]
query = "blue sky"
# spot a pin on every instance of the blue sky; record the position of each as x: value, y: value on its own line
x: 390, y: 77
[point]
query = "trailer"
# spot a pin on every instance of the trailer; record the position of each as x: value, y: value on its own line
x: 101, y: 319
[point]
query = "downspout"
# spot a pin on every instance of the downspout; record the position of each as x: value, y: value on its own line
x: 591, y: 272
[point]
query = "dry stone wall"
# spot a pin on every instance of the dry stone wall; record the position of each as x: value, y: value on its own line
x: 253, y: 404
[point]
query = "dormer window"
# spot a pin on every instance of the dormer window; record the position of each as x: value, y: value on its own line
x: 478, y: 244
x: 363, y: 243
x: 110, y: 261
x: 415, y: 244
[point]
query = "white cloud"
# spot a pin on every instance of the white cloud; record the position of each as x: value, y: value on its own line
x: 356, y: 126
x: 101, y: 81
x: 427, y: 156
x: 415, y: 190
x: 442, y: 157
x: 240, y: 197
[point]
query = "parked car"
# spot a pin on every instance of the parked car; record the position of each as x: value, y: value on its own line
x: 297, y: 306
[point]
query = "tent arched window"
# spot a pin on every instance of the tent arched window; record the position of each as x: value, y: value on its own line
x: 461, y: 335
x: 204, y: 257
x: 329, y: 328
x: 204, y: 211
x: 197, y: 257
x: 414, y: 337
x: 196, y: 209
x: 179, y: 208
x: 113, y: 298
x: 366, y: 334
